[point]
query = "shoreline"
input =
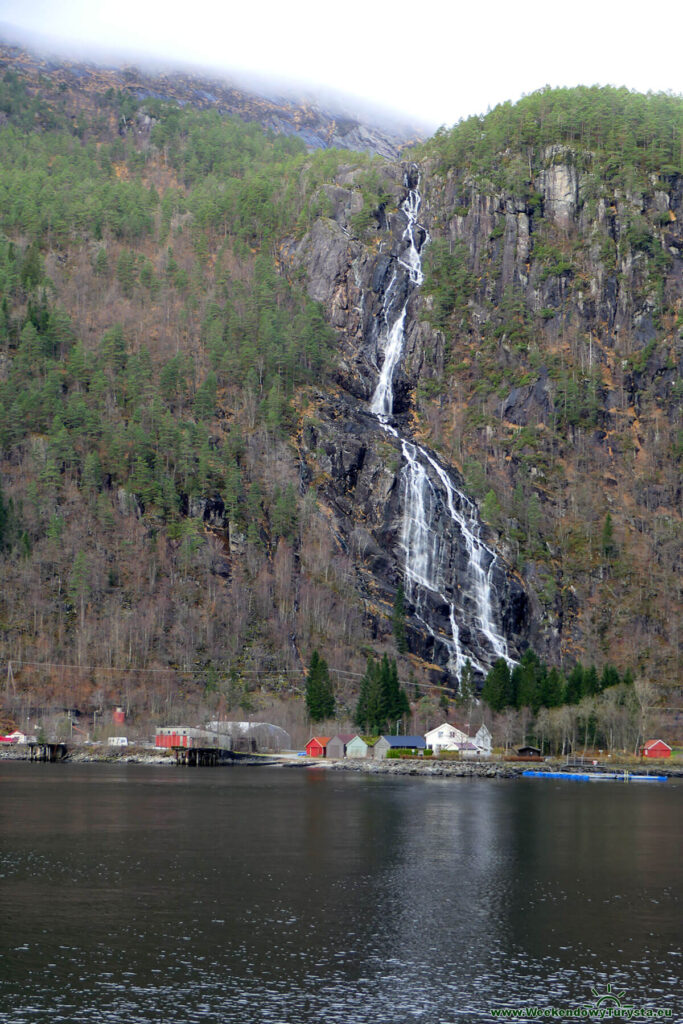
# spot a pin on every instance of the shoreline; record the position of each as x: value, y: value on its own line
x: 429, y: 769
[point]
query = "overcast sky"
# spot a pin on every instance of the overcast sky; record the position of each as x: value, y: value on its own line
x: 432, y: 61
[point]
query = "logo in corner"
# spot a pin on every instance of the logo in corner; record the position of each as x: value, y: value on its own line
x: 609, y: 998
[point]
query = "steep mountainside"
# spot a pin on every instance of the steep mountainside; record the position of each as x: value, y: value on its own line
x: 256, y: 400
x: 79, y: 87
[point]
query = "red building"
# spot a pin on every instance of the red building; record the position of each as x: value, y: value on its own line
x: 656, y: 748
x: 317, y: 746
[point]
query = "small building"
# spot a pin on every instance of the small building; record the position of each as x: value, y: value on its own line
x: 358, y: 747
x: 118, y: 741
x: 337, y: 745
x: 317, y: 746
x: 656, y: 748
x: 118, y: 715
x: 470, y: 749
x: 386, y: 743
x: 175, y: 736
x: 14, y: 737
x: 529, y: 751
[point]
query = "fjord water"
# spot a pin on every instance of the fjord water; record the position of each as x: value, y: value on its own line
x: 135, y: 894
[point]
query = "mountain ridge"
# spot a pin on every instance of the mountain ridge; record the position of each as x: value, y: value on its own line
x: 307, y: 120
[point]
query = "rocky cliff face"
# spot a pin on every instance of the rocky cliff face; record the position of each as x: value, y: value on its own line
x: 568, y: 340
x: 365, y: 466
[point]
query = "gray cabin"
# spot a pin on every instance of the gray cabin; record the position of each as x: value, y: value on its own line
x: 337, y: 745
x: 387, y: 743
x: 357, y: 747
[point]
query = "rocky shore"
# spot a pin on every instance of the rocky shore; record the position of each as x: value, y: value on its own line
x: 484, y: 769
x: 121, y: 755
x: 427, y: 768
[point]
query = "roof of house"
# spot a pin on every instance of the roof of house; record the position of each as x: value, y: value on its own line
x: 404, y: 741
x: 345, y: 737
x: 321, y: 740
x: 453, y: 726
x: 655, y: 743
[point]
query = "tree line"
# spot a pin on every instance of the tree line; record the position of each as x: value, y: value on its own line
x: 535, y: 685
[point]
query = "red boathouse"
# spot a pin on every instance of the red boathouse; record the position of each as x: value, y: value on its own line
x: 656, y: 748
x: 317, y: 746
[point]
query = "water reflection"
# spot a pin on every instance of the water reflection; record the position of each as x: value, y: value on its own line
x: 253, y: 895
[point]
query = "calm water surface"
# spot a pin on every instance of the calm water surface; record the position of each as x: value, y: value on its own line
x: 135, y: 894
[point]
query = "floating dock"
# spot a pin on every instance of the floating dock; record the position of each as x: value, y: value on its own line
x: 595, y: 776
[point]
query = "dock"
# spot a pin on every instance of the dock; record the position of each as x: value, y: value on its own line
x: 595, y: 776
x: 202, y: 757
x: 46, y: 751
x: 198, y: 748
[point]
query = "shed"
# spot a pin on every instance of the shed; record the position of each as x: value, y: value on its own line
x: 357, y: 747
x: 337, y: 745
x: 470, y: 749
x: 656, y: 748
x: 529, y: 751
x: 317, y: 746
x: 386, y: 743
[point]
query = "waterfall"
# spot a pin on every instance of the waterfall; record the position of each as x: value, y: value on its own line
x: 428, y: 496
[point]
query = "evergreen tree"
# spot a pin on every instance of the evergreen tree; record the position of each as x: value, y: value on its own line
x: 466, y: 690
x: 554, y: 688
x: 530, y: 684
x: 575, y: 685
x: 382, y: 701
x: 320, y: 700
x: 607, y: 543
x: 609, y: 677
x: 591, y: 683
x: 497, y: 688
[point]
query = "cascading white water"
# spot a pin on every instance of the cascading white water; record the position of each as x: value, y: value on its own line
x: 424, y: 547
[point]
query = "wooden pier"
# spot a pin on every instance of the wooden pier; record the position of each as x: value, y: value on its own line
x: 202, y: 757
x: 46, y: 751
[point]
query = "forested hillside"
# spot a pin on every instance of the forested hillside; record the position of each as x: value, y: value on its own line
x: 152, y: 363
x: 177, y: 365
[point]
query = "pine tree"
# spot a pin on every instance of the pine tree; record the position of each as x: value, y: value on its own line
x: 575, y: 687
x: 607, y: 544
x: 497, y: 686
x: 382, y: 701
x: 320, y: 700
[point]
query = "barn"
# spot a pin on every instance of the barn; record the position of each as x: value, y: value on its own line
x: 317, y: 746
x: 656, y: 748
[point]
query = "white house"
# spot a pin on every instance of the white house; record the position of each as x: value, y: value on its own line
x: 445, y: 737
x: 449, y: 737
x: 482, y: 740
